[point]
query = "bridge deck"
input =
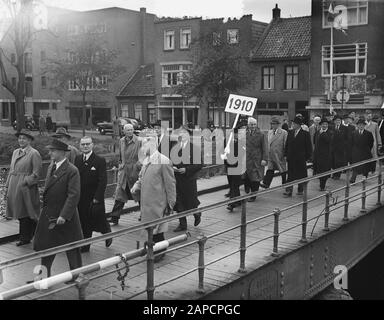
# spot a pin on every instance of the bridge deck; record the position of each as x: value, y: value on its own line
x: 180, y: 261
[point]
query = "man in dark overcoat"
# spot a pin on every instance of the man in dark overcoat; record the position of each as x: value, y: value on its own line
x: 348, y: 123
x: 339, y: 146
x: 59, y: 221
x: 362, y: 143
x: 186, y: 158
x: 93, y: 181
x: 322, y: 154
x: 163, y: 138
x: 298, y: 151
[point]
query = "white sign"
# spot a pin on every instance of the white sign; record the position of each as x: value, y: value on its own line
x: 241, y: 105
x: 339, y: 96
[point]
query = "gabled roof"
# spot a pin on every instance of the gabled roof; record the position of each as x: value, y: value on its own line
x: 141, y: 83
x: 285, y: 38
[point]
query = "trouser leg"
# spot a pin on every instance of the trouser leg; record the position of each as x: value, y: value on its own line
x: 300, y: 187
x: 47, y: 263
x: 247, y: 184
x: 283, y: 178
x: 27, y: 228
x: 74, y: 258
x: 183, y: 222
x: 323, y: 181
x: 268, y: 177
x: 354, y: 175
x: 116, y: 210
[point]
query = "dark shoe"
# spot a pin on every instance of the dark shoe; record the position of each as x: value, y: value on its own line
x: 84, y: 249
x: 263, y: 185
x: 227, y: 195
x: 114, y: 222
x: 230, y: 207
x: 197, y: 220
x: 252, y: 199
x: 108, y: 242
x: 159, y: 257
x: 352, y: 181
x: 22, y: 242
x: 247, y: 189
x: 287, y: 194
x: 180, y: 228
x: 322, y: 189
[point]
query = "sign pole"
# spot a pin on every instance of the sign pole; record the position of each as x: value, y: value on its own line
x: 224, y: 155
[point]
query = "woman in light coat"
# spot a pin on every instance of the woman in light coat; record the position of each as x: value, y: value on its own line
x: 157, y: 186
x: 22, y: 193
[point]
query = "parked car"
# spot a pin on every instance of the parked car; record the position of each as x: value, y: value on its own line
x: 107, y: 127
x: 30, y: 124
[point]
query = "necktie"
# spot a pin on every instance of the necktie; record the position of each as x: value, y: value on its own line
x: 274, y: 132
x: 85, y: 158
x: 53, y: 169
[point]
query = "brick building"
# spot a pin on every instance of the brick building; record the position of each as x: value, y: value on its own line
x: 358, y: 64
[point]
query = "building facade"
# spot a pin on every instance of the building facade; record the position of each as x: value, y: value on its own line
x: 358, y: 64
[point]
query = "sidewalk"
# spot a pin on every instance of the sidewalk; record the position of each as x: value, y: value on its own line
x: 9, y: 229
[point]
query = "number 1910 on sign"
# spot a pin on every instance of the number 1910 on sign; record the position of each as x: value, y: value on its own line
x: 241, y: 105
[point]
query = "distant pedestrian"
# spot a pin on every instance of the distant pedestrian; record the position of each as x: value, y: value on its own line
x: 313, y: 129
x: 285, y: 125
x: 339, y: 146
x: 62, y: 135
x: 303, y: 125
x: 298, y: 150
x: 277, y: 138
x: 93, y: 182
x: 362, y: 143
x: 49, y: 124
x: 157, y: 188
x: 128, y: 172
x: 373, y: 128
x: 183, y: 156
x: 163, y: 138
x: 257, y: 156
x: 350, y: 126
x: 42, y: 126
x: 59, y: 221
x: 21, y: 189
x: 322, y: 155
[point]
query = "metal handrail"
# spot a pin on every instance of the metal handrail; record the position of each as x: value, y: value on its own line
x: 150, y: 225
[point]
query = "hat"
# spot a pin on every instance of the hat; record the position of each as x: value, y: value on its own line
x: 337, y: 116
x: 24, y: 132
x: 61, y: 132
x: 324, y: 120
x: 361, y: 120
x: 298, y: 120
x: 275, y: 120
x: 58, y: 145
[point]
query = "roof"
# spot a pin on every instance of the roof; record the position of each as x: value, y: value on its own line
x: 285, y: 38
x: 141, y: 83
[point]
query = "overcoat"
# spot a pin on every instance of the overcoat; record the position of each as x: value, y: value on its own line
x: 60, y: 198
x: 339, y: 147
x: 322, y: 155
x: 23, y: 195
x: 186, y: 184
x: 361, y: 150
x: 276, y: 144
x: 298, y: 150
x: 373, y: 128
x: 72, y: 153
x: 93, y: 182
x: 129, y: 168
x: 350, y: 129
x: 256, y: 151
x: 157, y: 186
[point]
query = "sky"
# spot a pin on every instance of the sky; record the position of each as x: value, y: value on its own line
x: 260, y: 9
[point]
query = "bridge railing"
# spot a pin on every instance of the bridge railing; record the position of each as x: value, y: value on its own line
x: 151, y: 249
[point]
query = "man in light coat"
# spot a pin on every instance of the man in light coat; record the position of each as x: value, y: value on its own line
x: 62, y: 135
x: 313, y: 129
x: 277, y: 139
x: 157, y: 187
x: 129, y: 169
x: 21, y: 190
x: 59, y: 221
x: 373, y: 128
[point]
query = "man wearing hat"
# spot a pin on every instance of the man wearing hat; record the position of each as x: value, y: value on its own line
x: 373, y: 128
x: 322, y: 154
x: 350, y: 127
x: 59, y: 221
x: 163, y: 139
x: 62, y: 135
x: 277, y: 139
x: 21, y: 190
x: 362, y: 142
x: 298, y: 151
x: 339, y: 146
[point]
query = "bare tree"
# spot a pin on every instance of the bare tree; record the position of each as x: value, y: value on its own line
x: 26, y: 17
x: 85, y: 66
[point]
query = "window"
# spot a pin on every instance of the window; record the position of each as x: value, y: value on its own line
x: 138, y: 108
x: 5, y: 111
x: 13, y: 58
x: 233, y: 36
x: 347, y: 59
x: 174, y: 73
x: 272, y: 105
x: 97, y: 28
x: 28, y: 87
x: 357, y: 13
x: 72, y: 85
x: 283, y: 105
x: 268, y: 78
x: 72, y: 30
x: 169, y: 40
x: 14, y: 82
x: 43, y: 56
x: 152, y: 113
x: 28, y: 62
x: 291, y: 77
x: 185, y: 38
x: 43, y: 82
x: 124, y: 110
x: 216, y: 38
x: 54, y: 106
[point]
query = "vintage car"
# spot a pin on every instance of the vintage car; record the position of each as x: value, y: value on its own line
x: 107, y: 127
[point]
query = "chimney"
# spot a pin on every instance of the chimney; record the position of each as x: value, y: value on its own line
x: 276, y: 13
